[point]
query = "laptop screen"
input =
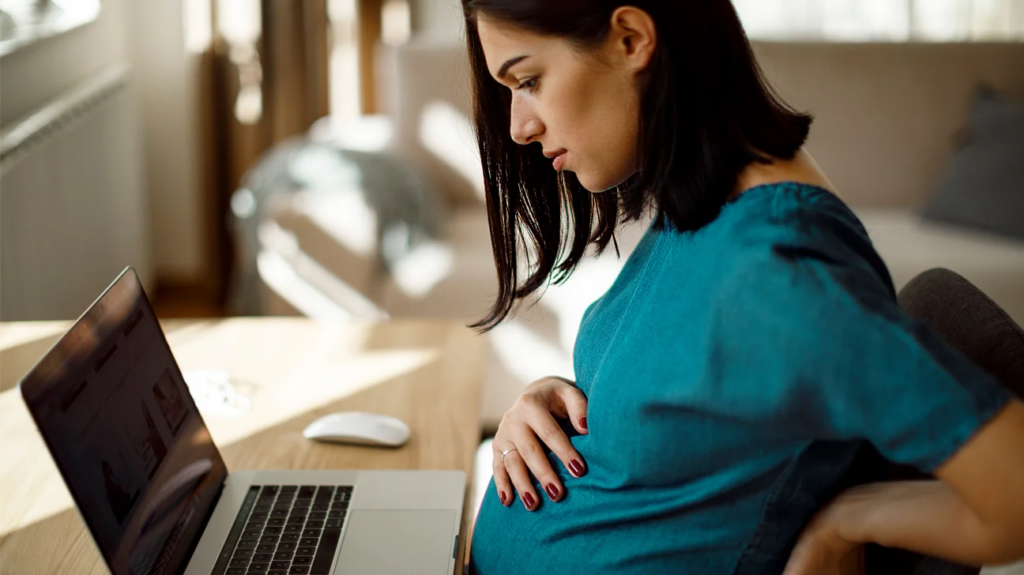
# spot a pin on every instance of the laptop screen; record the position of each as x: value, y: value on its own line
x: 111, y: 404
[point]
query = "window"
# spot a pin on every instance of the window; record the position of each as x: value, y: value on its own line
x: 883, y: 20
x: 25, y: 21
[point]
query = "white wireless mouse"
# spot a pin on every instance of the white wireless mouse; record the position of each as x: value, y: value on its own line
x: 359, y: 428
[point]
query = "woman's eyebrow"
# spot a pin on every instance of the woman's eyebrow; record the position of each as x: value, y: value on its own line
x: 508, y: 64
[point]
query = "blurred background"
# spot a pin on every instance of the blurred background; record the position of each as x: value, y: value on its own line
x: 314, y: 157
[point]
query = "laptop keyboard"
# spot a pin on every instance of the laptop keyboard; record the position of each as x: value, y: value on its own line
x: 286, y: 530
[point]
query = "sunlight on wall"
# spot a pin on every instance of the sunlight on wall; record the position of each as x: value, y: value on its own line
x: 197, y: 25
x: 396, y: 22
x: 240, y: 24
x: 590, y: 281
x: 448, y: 134
x: 344, y: 81
x: 527, y: 355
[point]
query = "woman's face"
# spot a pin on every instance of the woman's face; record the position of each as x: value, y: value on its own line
x: 581, y: 108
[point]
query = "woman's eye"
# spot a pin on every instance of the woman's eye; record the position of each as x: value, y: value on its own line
x: 529, y: 84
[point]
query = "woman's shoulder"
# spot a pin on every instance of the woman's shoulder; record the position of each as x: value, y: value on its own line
x: 814, y: 241
x: 795, y: 197
x: 792, y: 230
x: 795, y: 232
x: 790, y: 213
x: 767, y: 216
x: 815, y: 223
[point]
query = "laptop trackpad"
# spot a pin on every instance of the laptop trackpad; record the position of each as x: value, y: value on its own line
x: 397, y: 542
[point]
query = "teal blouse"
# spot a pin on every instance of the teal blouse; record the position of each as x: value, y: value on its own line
x: 717, y: 357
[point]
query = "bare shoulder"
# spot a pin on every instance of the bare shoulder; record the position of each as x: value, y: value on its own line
x: 801, y: 168
x: 808, y: 171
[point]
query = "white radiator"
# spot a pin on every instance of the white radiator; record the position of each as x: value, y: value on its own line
x: 72, y: 200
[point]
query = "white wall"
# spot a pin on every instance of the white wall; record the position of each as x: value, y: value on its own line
x: 33, y: 75
x: 148, y: 37
x: 166, y: 80
x: 437, y: 19
x: 74, y: 206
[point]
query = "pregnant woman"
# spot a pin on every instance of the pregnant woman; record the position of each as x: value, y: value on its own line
x: 748, y: 378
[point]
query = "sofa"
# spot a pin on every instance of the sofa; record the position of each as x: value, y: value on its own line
x: 887, y: 121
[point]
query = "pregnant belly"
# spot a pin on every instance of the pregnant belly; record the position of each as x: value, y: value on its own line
x: 595, y: 531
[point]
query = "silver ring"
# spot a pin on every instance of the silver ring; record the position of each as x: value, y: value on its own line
x: 504, y: 453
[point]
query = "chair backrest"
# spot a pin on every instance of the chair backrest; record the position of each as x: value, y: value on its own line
x: 977, y: 327
x: 970, y: 322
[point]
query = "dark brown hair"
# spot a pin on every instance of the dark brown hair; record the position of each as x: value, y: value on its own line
x: 706, y: 112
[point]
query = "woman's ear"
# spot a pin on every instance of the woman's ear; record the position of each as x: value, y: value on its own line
x: 634, y: 36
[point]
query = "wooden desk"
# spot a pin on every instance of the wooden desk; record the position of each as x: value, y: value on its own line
x: 294, y: 370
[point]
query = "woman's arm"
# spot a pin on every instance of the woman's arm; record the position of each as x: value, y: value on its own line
x: 973, y: 515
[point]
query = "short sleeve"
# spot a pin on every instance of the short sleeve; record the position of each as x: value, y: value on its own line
x: 818, y: 345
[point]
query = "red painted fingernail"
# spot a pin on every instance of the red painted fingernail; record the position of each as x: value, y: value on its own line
x: 576, y: 468
x: 583, y: 423
x: 528, y: 500
x: 502, y: 496
x: 552, y: 491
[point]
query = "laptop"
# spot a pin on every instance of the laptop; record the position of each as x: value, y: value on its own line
x: 113, y: 408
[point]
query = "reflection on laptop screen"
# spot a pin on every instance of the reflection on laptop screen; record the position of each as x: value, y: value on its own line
x: 111, y: 404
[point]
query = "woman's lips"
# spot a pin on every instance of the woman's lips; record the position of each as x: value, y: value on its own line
x: 559, y: 161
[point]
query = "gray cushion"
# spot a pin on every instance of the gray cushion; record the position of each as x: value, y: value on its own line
x: 970, y: 322
x: 984, y: 187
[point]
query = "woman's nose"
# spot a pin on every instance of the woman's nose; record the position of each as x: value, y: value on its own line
x: 525, y: 125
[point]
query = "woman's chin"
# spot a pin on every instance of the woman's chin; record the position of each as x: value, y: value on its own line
x: 599, y: 185
x: 593, y: 185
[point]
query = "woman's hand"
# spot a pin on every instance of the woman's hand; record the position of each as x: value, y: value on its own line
x: 822, y: 549
x: 530, y: 421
